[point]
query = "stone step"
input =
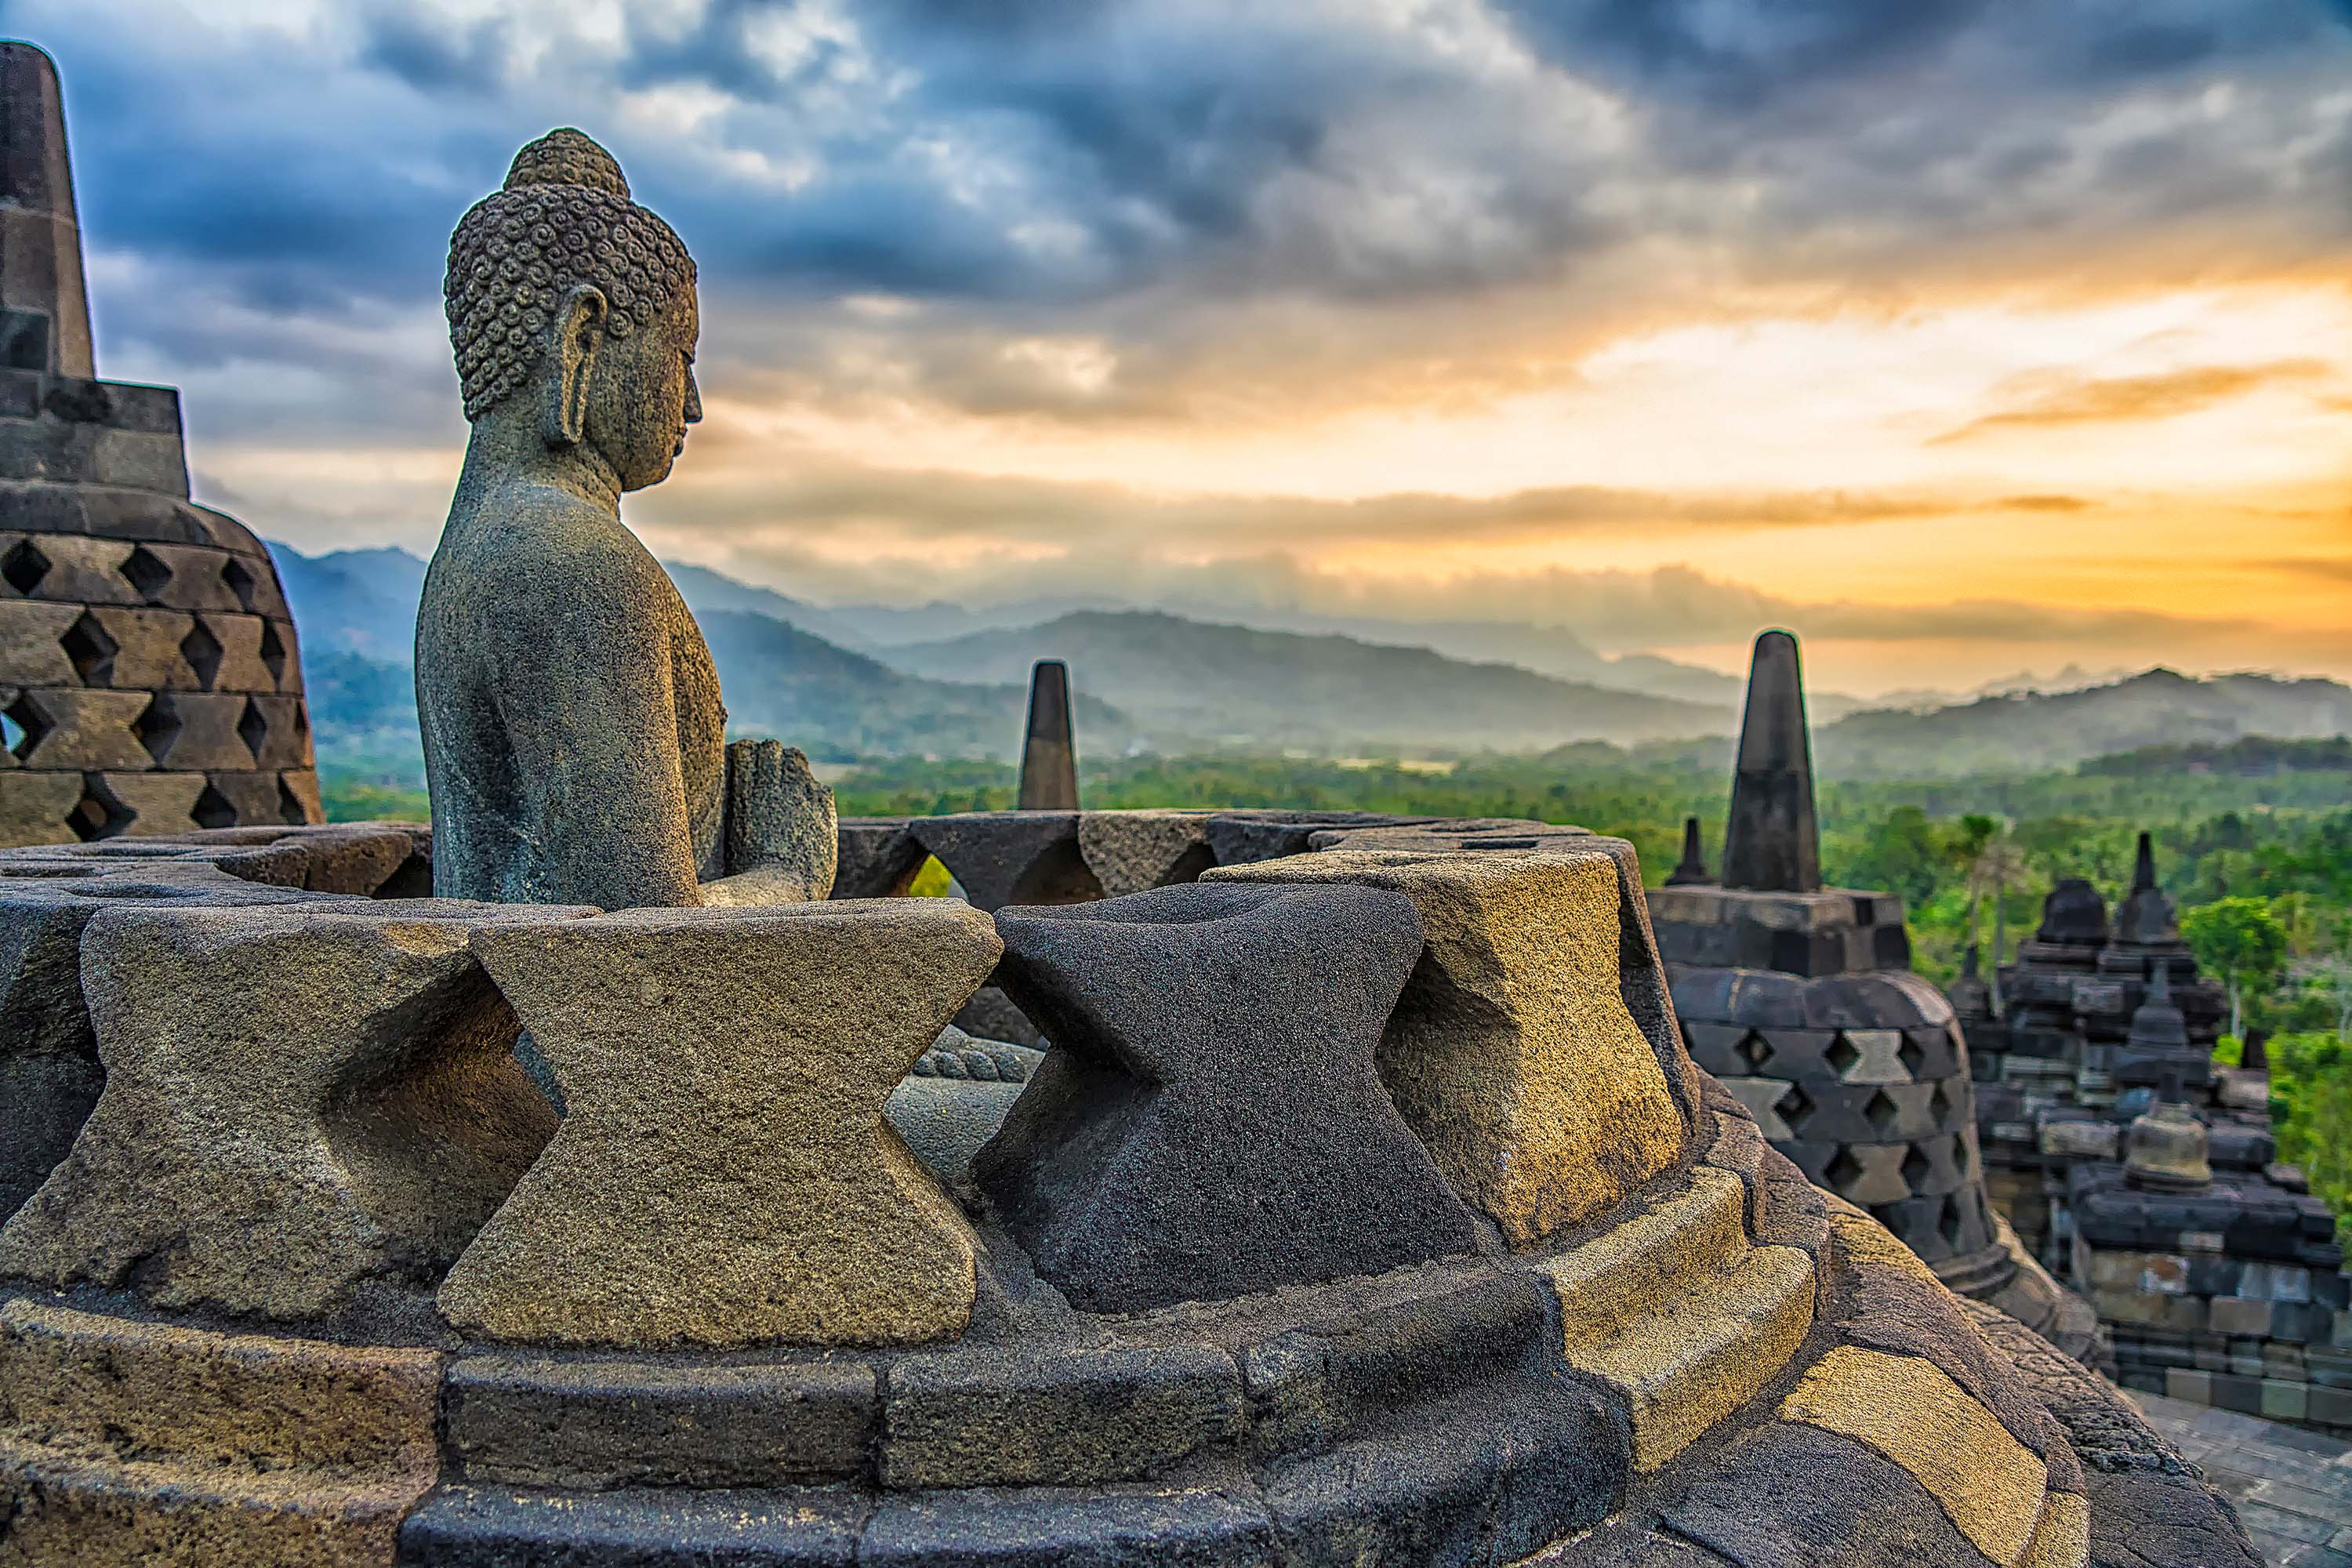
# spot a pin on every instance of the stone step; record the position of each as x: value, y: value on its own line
x: 65, y: 1508
x: 1681, y: 1315
x: 77, y: 1381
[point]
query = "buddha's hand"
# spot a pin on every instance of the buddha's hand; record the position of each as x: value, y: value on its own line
x: 782, y: 833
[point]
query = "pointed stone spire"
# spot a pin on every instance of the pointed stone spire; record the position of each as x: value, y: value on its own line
x: 1049, y: 763
x: 44, y: 310
x: 2144, y: 865
x: 1693, y: 869
x: 1772, y: 842
x: 2146, y: 917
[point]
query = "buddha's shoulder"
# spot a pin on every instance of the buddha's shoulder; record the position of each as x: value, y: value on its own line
x: 546, y: 542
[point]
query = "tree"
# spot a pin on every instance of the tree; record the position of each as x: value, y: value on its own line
x: 1999, y: 866
x: 2239, y: 940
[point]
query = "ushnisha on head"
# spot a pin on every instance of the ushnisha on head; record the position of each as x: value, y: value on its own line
x: 570, y: 305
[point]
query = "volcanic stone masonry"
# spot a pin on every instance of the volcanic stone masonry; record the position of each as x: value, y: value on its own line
x: 763, y: 1263
x: 1801, y: 1000
x: 2216, y: 1273
x: 149, y: 678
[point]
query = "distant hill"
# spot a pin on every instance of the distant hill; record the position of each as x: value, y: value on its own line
x: 1183, y: 681
x: 2158, y: 708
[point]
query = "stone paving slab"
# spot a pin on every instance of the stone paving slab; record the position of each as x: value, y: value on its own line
x: 2293, y: 1488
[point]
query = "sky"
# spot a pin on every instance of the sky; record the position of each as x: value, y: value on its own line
x: 1964, y: 337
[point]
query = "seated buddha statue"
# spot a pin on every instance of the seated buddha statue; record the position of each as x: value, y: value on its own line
x: 574, y: 739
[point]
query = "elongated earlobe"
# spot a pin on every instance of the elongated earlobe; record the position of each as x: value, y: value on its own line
x: 579, y: 329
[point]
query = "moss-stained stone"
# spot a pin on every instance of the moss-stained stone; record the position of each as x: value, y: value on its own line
x: 1679, y: 1314
x: 125, y: 1442
x: 723, y: 1176
x: 1512, y: 1052
x: 2062, y: 1537
x: 1867, y: 1241
x: 1988, y: 1483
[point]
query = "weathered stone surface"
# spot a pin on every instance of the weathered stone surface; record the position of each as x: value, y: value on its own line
x: 1140, y: 1526
x: 1049, y: 763
x: 628, y: 1423
x: 42, y: 277
x: 1680, y: 1314
x: 1011, y: 858
x: 138, y: 1444
x: 1772, y: 842
x: 1054, y: 1416
x: 1200, y: 1031
x: 1133, y: 851
x: 877, y: 859
x: 515, y: 1527
x: 1789, y: 1496
x: 781, y: 821
x: 1512, y: 1052
x: 1989, y: 1485
x: 703, y: 1193
x: 298, y: 1100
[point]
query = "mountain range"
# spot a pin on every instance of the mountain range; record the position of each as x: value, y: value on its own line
x: 843, y: 682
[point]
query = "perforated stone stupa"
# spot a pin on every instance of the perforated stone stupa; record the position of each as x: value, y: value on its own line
x: 1801, y: 999
x: 148, y: 676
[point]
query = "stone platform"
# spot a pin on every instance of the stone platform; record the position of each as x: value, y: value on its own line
x: 317, y: 1280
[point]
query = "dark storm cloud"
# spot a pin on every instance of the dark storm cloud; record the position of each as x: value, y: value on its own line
x: 1141, y: 168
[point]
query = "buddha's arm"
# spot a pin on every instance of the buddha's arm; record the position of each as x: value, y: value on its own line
x: 588, y: 708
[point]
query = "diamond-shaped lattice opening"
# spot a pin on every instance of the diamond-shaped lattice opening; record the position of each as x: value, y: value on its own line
x: 157, y: 726
x: 290, y: 805
x: 273, y: 653
x: 24, y: 566
x: 1841, y: 1173
x: 1753, y: 1050
x: 1911, y: 1055
x: 203, y: 652
x: 146, y: 573
x: 213, y: 809
x: 1882, y: 1111
x: 1841, y: 1055
x: 90, y: 650
x: 1916, y: 1167
x: 26, y: 726
x: 253, y: 727
x: 1794, y: 1106
x: 240, y: 582
x: 97, y: 815
x: 1950, y: 1224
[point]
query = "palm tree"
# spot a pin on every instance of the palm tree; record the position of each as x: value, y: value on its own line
x: 1998, y: 865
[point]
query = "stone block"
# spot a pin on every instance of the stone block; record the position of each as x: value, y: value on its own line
x: 1006, y: 858
x: 1512, y: 1053
x: 1107, y: 1527
x: 630, y: 1423
x: 1832, y: 1500
x: 31, y: 650
x: 300, y: 1101
x: 69, y: 567
x: 277, y: 729
x: 1201, y: 1030
x: 2284, y: 1401
x: 84, y: 728
x: 779, y: 820
x: 701, y: 1194
x: 517, y: 1527
x: 187, y: 730
x: 299, y: 795
x: 33, y: 806
x: 155, y: 803
x: 875, y: 858
x: 1677, y: 1313
x: 228, y: 654
x: 135, y: 1443
x: 1055, y: 1416
x: 140, y: 460
x: 1989, y: 1485
x: 1133, y: 851
x: 2235, y: 1315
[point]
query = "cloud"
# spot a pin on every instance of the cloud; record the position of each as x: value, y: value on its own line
x: 2162, y: 396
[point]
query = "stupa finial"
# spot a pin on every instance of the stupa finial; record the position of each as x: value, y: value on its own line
x: 2144, y: 865
x: 44, y: 308
x: 1693, y: 866
x: 1772, y: 842
x: 1049, y: 763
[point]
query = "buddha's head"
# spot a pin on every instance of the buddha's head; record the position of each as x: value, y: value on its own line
x: 575, y: 308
